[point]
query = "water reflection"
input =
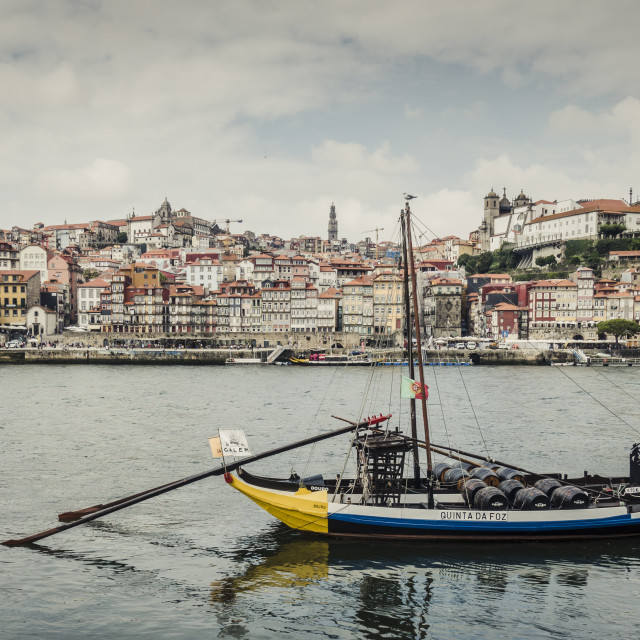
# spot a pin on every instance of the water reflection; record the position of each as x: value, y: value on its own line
x: 395, y: 590
x: 295, y: 564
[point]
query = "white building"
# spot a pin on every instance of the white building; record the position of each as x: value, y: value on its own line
x: 204, y: 272
x: 327, y: 278
x: 328, y: 305
x: 34, y: 257
x: 304, y: 306
x: 88, y: 299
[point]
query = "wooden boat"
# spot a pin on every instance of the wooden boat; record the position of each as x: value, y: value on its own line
x: 244, y: 361
x: 469, y: 498
x: 589, y: 507
x: 326, y: 360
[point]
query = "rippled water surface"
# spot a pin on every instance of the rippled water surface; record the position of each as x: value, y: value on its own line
x: 204, y: 562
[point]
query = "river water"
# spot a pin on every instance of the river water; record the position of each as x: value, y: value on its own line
x: 204, y: 562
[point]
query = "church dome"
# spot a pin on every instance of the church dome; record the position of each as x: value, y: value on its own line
x: 491, y: 194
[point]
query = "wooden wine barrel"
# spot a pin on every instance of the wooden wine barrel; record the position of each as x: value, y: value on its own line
x: 469, y: 489
x: 458, y: 464
x: 531, y: 499
x: 439, y: 470
x: 510, y: 488
x: 488, y: 476
x: 569, y: 498
x: 490, y: 499
x: 455, y: 476
x: 547, y: 485
x: 505, y: 473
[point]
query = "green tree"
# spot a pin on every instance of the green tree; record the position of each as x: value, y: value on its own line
x: 611, y: 230
x: 578, y: 247
x: 544, y: 261
x: 89, y: 274
x: 122, y: 238
x: 593, y: 260
x: 619, y: 327
x: 485, y: 260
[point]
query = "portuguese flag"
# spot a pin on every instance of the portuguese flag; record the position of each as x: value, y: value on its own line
x: 413, y: 389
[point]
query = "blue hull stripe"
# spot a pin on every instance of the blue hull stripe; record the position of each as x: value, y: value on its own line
x: 483, y: 526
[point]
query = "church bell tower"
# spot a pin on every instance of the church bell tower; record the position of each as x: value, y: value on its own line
x: 333, y: 223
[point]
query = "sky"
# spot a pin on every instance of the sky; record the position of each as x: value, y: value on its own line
x: 268, y: 112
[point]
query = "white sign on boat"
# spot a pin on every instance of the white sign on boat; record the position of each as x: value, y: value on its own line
x: 234, y: 443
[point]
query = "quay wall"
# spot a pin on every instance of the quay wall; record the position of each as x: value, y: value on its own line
x: 219, y: 356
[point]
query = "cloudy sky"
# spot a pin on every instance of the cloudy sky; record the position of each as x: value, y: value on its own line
x: 270, y: 111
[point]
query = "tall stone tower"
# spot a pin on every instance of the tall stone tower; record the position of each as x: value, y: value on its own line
x: 165, y: 212
x: 333, y: 223
x: 491, y: 211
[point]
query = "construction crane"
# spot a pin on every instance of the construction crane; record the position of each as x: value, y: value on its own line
x: 227, y: 222
x: 376, y: 231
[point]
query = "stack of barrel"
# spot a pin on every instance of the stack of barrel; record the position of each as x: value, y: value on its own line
x: 495, y: 488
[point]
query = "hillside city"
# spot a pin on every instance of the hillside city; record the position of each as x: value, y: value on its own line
x: 531, y: 270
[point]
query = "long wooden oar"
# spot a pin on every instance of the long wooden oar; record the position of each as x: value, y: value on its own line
x: 123, y: 503
x: 69, y: 516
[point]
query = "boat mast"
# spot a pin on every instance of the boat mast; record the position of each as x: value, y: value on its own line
x: 416, y: 314
x: 407, y: 315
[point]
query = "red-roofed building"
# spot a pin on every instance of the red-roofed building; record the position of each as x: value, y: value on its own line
x: 347, y: 270
x: 19, y: 290
x: 357, y: 306
x: 204, y: 272
x: 553, y: 302
x: 189, y: 313
x: 508, y: 320
x: 387, y: 303
x: 89, y: 297
x: 276, y: 306
x: 304, y: 306
x: 65, y: 269
x: 475, y: 282
x: 9, y: 257
x: 328, y: 310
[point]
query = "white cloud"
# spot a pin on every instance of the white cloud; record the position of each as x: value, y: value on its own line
x: 352, y: 103
x: 412, y: 112
x: 543, y: 182
x: 104, y: 179
x: 621, y: 120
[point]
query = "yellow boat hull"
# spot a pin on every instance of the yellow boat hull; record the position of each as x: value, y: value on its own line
x: 304, y: 510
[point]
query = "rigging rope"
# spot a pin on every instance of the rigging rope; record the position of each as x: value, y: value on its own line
x: 604, y: 406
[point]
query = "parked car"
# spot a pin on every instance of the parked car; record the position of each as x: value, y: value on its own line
x: 472, y: 345
x: 15, y: 344
x: 459, y: 345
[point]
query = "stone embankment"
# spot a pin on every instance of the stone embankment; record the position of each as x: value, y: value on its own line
x: 94, y: 355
